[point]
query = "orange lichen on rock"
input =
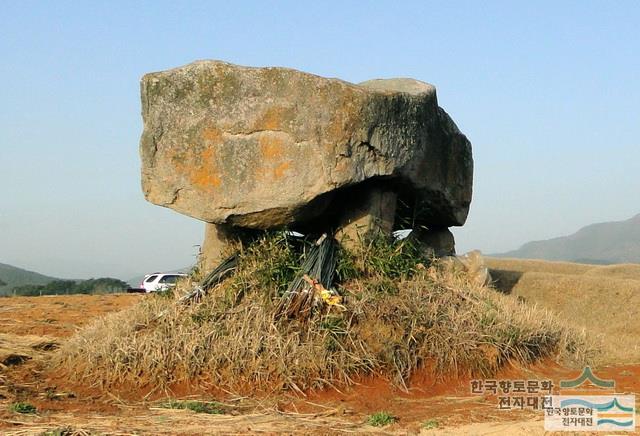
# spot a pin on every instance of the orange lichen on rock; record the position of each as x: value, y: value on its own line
x: 279, y: 171
x: 271, y: 147
x: 283, y: 138
x: 212, y: 135
x: 206, y: 174
x: 273, y: 163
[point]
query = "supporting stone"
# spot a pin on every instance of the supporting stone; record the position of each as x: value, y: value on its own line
x: 217, y: 238
x: 369, y: 214
x: 438, y: 240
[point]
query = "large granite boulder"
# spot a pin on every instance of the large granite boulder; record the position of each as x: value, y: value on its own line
x: 261, y: 148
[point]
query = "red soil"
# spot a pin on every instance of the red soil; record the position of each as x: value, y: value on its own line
x: 449, y: 401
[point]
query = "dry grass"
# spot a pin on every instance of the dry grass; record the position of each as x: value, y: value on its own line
x: 184, y: 422
x: 531, y: 265
x: 604, y: 300
x: 15, y: 349
x: 622, y: 271
x: 399, y: 316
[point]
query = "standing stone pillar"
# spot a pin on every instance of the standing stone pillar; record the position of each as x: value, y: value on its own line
x: 438, y: 240
x: 368, y: 214
x: 217, y: 238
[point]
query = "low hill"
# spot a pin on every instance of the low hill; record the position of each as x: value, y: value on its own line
x: 11, y: 276
x: 602, y: 243
x: 18, y: 281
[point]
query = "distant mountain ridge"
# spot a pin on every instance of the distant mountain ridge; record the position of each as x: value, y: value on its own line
x: 602, y: 243
x: 13, y: 276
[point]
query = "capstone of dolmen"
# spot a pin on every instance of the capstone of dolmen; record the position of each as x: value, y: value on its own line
x: 245, y: 148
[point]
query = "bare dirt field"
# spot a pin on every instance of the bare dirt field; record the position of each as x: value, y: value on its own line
x: 32, y: 327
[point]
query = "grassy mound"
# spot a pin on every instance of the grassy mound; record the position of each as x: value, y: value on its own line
x: 398, y: 315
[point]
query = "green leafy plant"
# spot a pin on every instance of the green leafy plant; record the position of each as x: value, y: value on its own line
x: 280, y: 261
x: 21, y: 407
x: 346, y: 265
x: 380, y: 419
x: 382, y: 258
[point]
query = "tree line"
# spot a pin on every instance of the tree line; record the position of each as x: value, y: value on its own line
x: 104, y: 285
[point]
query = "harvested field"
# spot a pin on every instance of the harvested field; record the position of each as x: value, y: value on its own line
x: 57, y: 315
x: 603, y: 300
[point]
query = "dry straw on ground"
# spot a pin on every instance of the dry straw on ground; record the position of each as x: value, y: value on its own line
x: 585, y: 295
x: 400, y: 315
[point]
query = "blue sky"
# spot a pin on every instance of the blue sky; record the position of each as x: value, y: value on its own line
x: 547, y: 92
